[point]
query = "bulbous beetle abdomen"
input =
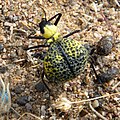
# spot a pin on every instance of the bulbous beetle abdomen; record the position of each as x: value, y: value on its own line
x: 65, y: 59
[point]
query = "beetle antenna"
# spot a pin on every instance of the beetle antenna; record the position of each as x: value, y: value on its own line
x: 44, y: 13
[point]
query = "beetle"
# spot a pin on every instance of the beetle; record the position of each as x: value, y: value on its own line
x: 66, y: 58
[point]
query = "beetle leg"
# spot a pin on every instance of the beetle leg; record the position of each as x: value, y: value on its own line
x: 45, y: 83
x: 35, y: 37
x: 57, y: 20
x: 96, y: 75
x: 94, y: 70
x: 40, y: 55
x: 38, y: 46
x: 76, y: 31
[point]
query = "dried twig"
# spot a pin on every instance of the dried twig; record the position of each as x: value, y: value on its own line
x: 30, y: 114
x: 115, y: 85
x: 65, y: 104
x: 107, y: 95
x: 97, y: 113
x: 15, y: 111
x: 117, y: 3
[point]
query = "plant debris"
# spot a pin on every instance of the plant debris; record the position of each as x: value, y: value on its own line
x: 80, y: 98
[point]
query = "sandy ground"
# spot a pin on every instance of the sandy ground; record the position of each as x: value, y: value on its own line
x: 82, y: 98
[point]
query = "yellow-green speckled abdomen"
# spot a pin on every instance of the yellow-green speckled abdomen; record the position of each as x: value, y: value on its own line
x: 65, y: 60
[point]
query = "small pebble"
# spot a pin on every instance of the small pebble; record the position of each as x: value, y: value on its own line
x: 15, y: 105
x: 43, y: 111
x: 29, y: 98
x: 83, y: 113
x: 28, y: 107
x: 22, y: 100
x: 108, y: 75
x: 3, y: 69
x: 18, y: 89
x: 40, y: 87
x: 95, y: 103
